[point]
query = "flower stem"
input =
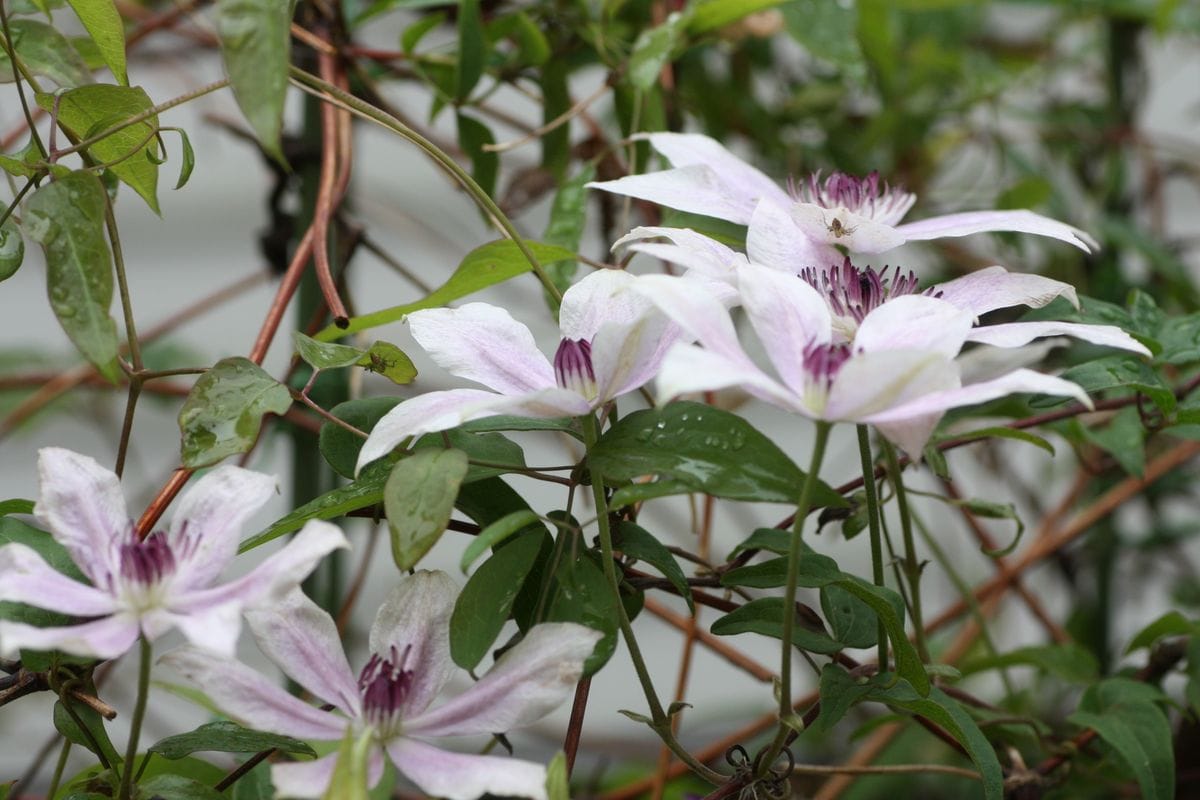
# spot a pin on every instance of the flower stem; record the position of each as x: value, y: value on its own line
x: 789, y: 599
x: 660, y: 721
x: 59, y: 767
x: 139, y: 713
x: 869, y: 489
x: 912, y: 567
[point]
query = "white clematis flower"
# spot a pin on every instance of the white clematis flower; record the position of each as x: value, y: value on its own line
x: 146, y: 587
x: 612, y: 343
x: 409, y: 666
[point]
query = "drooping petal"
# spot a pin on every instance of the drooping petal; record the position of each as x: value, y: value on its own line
x: 457, y: 776
x: 788, y: 315
x: 214, y: 629
x: 689, y: 249
x: 26, y: 578
x: 995, y: 287
x: 696, y: 311
x: 871, y: 382
x: 276, y: 576
x: 483, y: 343
x: 855, y: 232
x: 415, y: 620
x: 741, y: 179
x: 206, y: 528
x: 310, y: 779
x: 1015, y: 334
x: 302, y: 639
x: 914, y: 322
x: 776, y: 241
x: 104, y: 638
x: 601, y: 298
x: 695, y: 189
x: 689, y: 369
x: 80, y: 502
x: 440, y: 411
x: 1021, y: 221
x: 625, y: 357
x: 525, y: 684
x: 252, y: 700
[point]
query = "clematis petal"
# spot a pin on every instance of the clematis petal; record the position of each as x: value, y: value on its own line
x: 995, y: 287
x: 525, y: 684
x: 26, y: 578
x: 415, y: 621
x: 1015, y: 334
x: 741, y: 179
x: 301, y: 638
x: 310, y: 779
x: 914, y: 322
x: 625, y: 357
x: 276, y: 576
x: 688, y: 369
x: 80, y: 502
x: 440, y: 411
x: 776, y: 241
x: 696, y: 311
x: 104, y: 638
x: 871, y: 382
x: 856, y: 233
x: 251, y: 699
x: 601, y: 298
x: 483, y: 343
x: 457, y: 776
x: 206, y: 528
x: 214, y: 629
x: 980, y: 221
x: 689, y: 249
x: 788, y: 315
x: 695, y: 189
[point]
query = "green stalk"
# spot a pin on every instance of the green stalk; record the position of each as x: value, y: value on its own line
x: 912, y: 567
x: 789, y: 598
x: 868, y: 472
x: 56, y: 779
x: 139, y: 713
x: 660, y: 721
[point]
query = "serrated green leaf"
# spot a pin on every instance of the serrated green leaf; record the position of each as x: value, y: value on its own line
x: 66, y: 218
x: 125, y: 152
x: 223, y: 412
x: 256, y: 47
x: 225, y: 737
x: 637, y: 542
x: 484, y: 266
x: 326, y: 355
x: 45, y: 52
x: 389, y: 361
x: 12, y: 249
x: 494, y: 534
x: 487, y: 599
x: 419, y: 497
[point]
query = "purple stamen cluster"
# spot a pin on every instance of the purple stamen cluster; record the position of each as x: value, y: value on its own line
x: 867, y: 196
x: 385, y: 685
x: 823, y: 361
x: 573, y: 365
x: 148, y: 561
x: 854, y: 292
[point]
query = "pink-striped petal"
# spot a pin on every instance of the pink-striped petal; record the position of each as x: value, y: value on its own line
x: 252, y: 700
x: 483, y: 343
x: 689, y: 369
x: 1021, y: 221
x: 788, y: 315
x: 695, y: 189
x: 995, y: 287
x: 914, y: 322
x: 601, y: 298
x: 689, y: 249
x: 215, y: 629
x: 26, y: 578
x: 207, y: 525
x: 838, y: 226
x: 525, y: 684
x: 303, y: 641
x: 743, y: 180
x: 872, y: 382
x: 104, y: 638
x: 456, y: 776
x: 309, y: 780
x: 1016, y: 334
x: 81, y: 504
x: 413, y: 624
x: 695, y: 310
x: 626, y: 357
x: 776, y: 241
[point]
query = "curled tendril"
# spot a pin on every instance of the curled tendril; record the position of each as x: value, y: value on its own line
x: 774, y: 785
x: 738, y: 758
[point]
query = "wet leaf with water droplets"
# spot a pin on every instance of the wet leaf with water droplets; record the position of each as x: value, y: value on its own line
x: 223, y: 412
x: 66, y: 218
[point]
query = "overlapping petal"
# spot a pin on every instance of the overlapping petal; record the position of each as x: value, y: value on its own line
x: 1016, y: 334
x: 483, y: 343
x: 788, y: 315
x: 457, y: 776
x: 107, y: 637
x: 81, y: 504
x: 995, y: 287
x: 26, y: 578
x: 774, y: 240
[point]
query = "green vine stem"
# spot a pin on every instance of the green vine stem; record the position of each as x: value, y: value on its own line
x: 872, y: 495
x: 660, y: 720
x: 139, y: 713
x: 912, y: 567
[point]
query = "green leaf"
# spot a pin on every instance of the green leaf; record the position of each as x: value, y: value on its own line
x: 484, y: 266
x: 414, y: 33
x: 326, y: 355
x: 44, y: 52
x: 487, y: 599
x: 556, y: 100
x: 764, y: 616
x: 472, y: 49
x: 177, y: 787
x: 12, y: 249
x: 103, y: 23
x: 709, y: 450
x: 839, y: 692
x: 851, y: 621
x: 419, y: 497
x: 992, y: 510
x: 1171, y: 623
x: 226, y: 737
x: 255, y: 45
x: 582, y: 594
x: 568, y: 215
x: 637, y: 542
x: 1070, y: 661
x: 66, y: 218
x: 188, y: 158
x: 1114, y: 372
x: 16, y: 506
x: 531, y: 42
x: 90, y: 110
x: 774, y: 540
x: 389, y: 361
x: 653, y: 49
x: 92, y: 735
x: 366, y: 491
x: 223, y: 413
x: 1136, y: 729
x: 496, y: 533
x: 1123, y: 437
x: 339, y: 446
x: 999, y: 432
x: 709, y: 15
x: 472, y: 136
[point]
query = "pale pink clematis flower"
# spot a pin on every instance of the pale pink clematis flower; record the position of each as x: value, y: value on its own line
x: 897, y: 373
x: 144, y: 588
x: 612, y: 342
x: 862, y: 214
x: 409, y: 666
